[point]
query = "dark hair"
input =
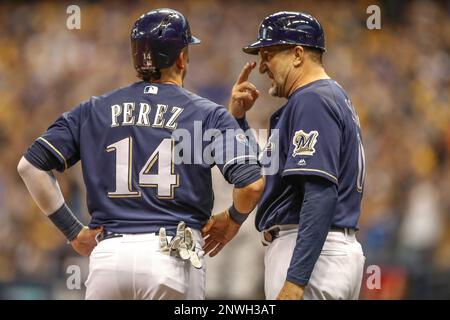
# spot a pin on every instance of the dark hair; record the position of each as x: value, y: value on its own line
x: 149, y: 75
x: 315, y: 54
x: 152, y: 74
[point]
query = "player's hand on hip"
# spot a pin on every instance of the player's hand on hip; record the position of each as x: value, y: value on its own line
x: 219, y: 230
x: 85, y: 241
x: 291, y: 291
x: 243, y: 93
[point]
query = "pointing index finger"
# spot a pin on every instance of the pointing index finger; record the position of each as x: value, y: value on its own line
x: 246, y: 70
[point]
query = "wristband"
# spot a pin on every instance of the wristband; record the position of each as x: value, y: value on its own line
x: 66, y: 222
x: 237, y: 216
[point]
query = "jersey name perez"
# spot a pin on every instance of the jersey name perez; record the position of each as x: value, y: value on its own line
x: 145, y: 115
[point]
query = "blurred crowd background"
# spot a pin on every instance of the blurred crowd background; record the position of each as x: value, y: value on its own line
x: 398, y: 78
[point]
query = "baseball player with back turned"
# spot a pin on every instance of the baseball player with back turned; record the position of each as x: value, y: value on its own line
x: 144, y: 237
x: 309, y: 211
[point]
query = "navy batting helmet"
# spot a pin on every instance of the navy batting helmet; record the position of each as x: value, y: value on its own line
x: 288, y: 28
x: 157, y: 39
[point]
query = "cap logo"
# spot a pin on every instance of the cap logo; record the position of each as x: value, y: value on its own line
x: 147, y: 59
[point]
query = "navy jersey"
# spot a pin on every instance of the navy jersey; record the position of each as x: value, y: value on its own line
x: 317, y: 132
x: 125, y: 140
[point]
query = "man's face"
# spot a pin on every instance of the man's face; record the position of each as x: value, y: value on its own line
x: 276, y: 61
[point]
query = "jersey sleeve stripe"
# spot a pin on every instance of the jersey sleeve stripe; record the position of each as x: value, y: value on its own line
x: 56, y: 150
x: 240, y: 157
x: 313, y: 170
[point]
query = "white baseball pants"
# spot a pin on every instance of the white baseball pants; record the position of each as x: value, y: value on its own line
x: 337, y: 273
x: 132, y: 267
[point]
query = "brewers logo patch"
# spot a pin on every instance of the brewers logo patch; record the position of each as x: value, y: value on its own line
x: 304, y: 143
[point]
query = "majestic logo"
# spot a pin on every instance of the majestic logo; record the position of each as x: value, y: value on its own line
x: 304, y: 143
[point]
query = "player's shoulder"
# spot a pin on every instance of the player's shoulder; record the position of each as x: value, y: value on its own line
x: 116, y: 93
x: 318, y: 96
x: 319, y: 90
x: 200, y: 102
x: 176, y: 94
x: 98, y: 100
x: 211, y: 112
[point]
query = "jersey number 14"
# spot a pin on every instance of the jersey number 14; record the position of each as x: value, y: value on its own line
x: 165, y: 180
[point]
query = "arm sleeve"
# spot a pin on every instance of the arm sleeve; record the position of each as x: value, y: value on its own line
x: 42, y: 158
x: 231, y: 149
x: 62, y: 138
x: 316, y: 216
x: 315, y: 139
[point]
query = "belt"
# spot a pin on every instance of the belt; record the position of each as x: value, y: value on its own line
x: 105, y: 234
x: 269, y: 235
x: 343, y: 230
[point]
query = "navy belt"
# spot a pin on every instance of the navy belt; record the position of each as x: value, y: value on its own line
x: 108, y: 235
x: 343, y: 230
x: 273, y: 233
x: 105, y: 234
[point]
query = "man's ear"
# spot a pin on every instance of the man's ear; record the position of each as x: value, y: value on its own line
x: 299, y: 56
x: 182, y: 60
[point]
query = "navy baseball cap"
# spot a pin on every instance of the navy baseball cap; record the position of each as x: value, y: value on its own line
x: 287, y: 27
x: 158, y: 37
